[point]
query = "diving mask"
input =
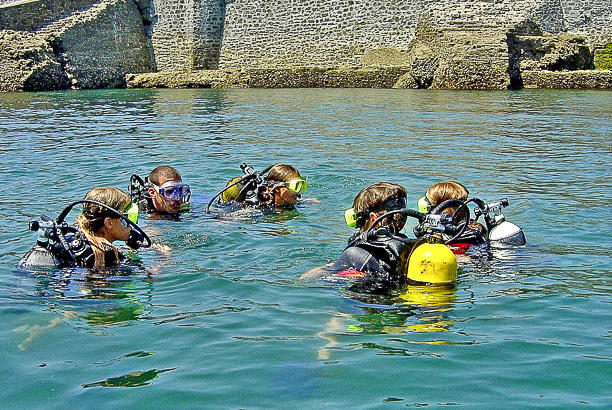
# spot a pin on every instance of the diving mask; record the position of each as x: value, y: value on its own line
x: 424, y: 205
x: 297, y: 186
x: 353, y: 217
x: 350, y: 217
x: 131, y: 211
x: 175, y: 191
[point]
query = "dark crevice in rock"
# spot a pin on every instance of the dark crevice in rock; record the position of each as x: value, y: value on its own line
x: 514, y: 62
x: 50, y: 73
x: 148, y: 16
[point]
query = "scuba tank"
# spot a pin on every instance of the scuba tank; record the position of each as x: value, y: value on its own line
x: 497, y: 229
x: 429, y: 260
x: 60, y: 245
x: 501, y: 231
x: 247, y: 189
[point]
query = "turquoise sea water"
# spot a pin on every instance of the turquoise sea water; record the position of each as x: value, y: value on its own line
x: 223, y: 319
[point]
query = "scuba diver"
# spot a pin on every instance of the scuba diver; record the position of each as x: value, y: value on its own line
x: 450, y: 197
x: 280, y: 188
x: 163, y: 192
x: 379, y: 258
x: 108, y: 216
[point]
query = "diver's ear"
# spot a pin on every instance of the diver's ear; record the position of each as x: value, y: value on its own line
x: 108, y: 222
x: 151, y: 191
x: 373, y: 217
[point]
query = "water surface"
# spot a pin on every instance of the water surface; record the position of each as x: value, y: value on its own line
x: 223, y: 320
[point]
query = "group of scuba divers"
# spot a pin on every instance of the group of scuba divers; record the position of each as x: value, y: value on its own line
x: 378, y: 256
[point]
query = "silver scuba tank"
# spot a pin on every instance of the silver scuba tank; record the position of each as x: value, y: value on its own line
x: 506, y: 233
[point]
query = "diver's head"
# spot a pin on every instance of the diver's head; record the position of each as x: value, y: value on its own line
x: 377, y: 199
x: 442, y: 191
x: 285, y: 185
x: 101, y: 222
x: 167, y: 190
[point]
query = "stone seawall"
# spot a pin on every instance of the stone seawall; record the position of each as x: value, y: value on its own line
x: 333, y: 33
x: 187, y: 34
x: 485, y: 44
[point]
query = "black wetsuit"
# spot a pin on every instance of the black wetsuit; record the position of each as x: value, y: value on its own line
x: 380, y: 259
x: 77, y: 252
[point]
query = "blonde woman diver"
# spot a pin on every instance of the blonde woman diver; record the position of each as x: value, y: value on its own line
x: 108, y: 216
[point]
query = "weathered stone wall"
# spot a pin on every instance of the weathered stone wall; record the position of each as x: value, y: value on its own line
x: 94, y: 47
x: 32, y: 15
x: 295, y: 33
x: 187, y: 34
x: 332, y: 33
x: 591, y: 19
x: 434, y: 43
x: 442, y: 43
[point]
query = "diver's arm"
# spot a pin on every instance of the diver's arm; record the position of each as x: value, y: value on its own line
x: 317, y: 272
x: 352, y: 258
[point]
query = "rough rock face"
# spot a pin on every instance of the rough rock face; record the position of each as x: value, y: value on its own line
x: 270, y: 78
x: 488, y: 53
x: 29, y: 63
x: 580, y: 79
x: 90, y: 48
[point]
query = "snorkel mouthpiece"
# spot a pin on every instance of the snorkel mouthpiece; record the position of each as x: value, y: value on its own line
x: 135, y: 240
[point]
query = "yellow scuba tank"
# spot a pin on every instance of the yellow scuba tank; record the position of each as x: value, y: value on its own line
x: 231, y: 194
x: 432, y: 263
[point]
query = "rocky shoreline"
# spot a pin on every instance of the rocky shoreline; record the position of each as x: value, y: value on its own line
x: 320, y: 77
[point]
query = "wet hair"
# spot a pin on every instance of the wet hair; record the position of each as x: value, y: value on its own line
x: 164, y: 171
x: 93, y: 216
x: 442, y: 191
x: 373, y: 197
x: 283, y: 173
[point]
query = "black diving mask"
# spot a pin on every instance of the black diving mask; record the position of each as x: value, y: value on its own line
x: 354, y: 219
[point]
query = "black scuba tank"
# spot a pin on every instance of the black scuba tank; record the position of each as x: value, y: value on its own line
x: 39, y: 256
x: 75, y: 251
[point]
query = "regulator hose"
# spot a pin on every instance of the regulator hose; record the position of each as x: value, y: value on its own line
x: 457, y: 204
x: 137, y: 228
x: 255, y: 176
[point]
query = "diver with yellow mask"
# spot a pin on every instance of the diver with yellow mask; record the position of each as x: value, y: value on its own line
x: 108, y: 216
x: 280, y: 188
x: 379, y: 257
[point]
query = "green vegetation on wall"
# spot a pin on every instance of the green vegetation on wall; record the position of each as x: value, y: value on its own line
x: 603, y: 58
